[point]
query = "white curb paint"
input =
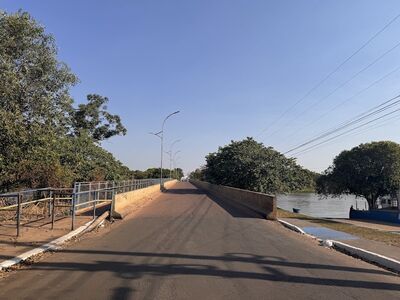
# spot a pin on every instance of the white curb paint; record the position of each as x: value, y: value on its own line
x: 291, y: 226
x: 298, y: 229
x: 369, y: 256
x: 53, y: 245
x: 365, y: 255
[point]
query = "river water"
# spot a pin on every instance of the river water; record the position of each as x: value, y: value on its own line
x: 318, y: 206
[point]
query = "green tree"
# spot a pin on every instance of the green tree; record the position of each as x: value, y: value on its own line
x: 44, y: 141
x: 177, y: 173
x: 155, y: 173
x: 34, y: 100
x: 197, y: 174
x: 94, y: 119
x: 138, y: 174
x: 369, y: 170
x: 87, y: 161
x: 250, y: 165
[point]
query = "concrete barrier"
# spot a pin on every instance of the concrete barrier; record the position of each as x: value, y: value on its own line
x: 262, y: 203
x: 126, y: 202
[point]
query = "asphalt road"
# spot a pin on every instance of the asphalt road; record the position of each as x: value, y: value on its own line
x: 185, y: 245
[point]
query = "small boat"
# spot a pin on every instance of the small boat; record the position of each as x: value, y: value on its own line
x: 296, y: 210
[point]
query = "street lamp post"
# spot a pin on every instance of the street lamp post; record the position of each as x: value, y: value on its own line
x: 174, y: 160
x: 170, y: 156
x: 160, y: 134
x: 170, y: 161
x: 176, y: 167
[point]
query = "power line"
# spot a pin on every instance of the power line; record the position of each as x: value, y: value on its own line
x: 371, y: 112
x: 342, y: 127
x: 346, y: 101
x: 343, y: 133
x: 366, y: 114
x: 381, y: 124
x: 331, y: 73
x: 338, y: 87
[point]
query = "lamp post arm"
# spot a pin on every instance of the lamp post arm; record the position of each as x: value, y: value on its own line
x: 162, y: 148
x: 166, y: 118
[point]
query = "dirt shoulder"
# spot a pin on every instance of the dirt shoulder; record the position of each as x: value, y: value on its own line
x: 33, y: 234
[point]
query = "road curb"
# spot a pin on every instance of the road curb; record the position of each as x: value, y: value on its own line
x: 365, y: 255
x: 368, y: 256
x: 53, y: 245
x: 97, y: 222
x: 292, y: 227
x: 297, y: 229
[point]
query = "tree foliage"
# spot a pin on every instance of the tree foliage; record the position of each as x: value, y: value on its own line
x: 95, y: 120
x: 369, y: 170
x: 44, y: 140
x: 197, y: 174
x: 155, y: 173
x: 250, y: 165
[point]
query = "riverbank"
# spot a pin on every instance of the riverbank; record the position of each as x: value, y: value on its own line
x: 318, y: 206
x: 363, y: 232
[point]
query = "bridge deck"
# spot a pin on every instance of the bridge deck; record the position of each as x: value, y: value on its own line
x: 185, y: 245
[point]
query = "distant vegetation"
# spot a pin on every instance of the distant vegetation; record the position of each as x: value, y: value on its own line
x: 45, y: 139
x: 198, y: 174
x: 369, y: 170
x: 250, y: 165
x: 155, y: 173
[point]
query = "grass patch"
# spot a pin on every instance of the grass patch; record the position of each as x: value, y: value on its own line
x: 287, y: 214
x: 388, y: 238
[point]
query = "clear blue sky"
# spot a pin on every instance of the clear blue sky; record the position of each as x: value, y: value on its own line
x: 230, y: 67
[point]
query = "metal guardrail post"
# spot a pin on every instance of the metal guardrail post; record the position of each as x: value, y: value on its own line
x: 19, y: 200
x: 50, y: 209
x: 94, y: 204
x: 112, y: 206
x: 73, y: 209
x: 53, y: 210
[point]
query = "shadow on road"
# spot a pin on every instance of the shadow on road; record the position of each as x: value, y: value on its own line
x: 195, y: 266
x: 99, y: 210
x: 185, y: 191
x: 5, y: 257
x: 235, y: 209
x: 122, y: 293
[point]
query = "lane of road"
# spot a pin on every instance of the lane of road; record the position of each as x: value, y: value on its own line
x: 185, y: 245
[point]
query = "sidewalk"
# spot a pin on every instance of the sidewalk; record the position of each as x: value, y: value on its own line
x: 382, y: 226
x: 314, y: 227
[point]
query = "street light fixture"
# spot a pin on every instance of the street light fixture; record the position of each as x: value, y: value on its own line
x: 160, y: 135
x: 170, y: 161
x: 173, y: 143
x: 174, y: 160
x: 170, y: 156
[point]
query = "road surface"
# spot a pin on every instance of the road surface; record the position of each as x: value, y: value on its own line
x: 185, y: 245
